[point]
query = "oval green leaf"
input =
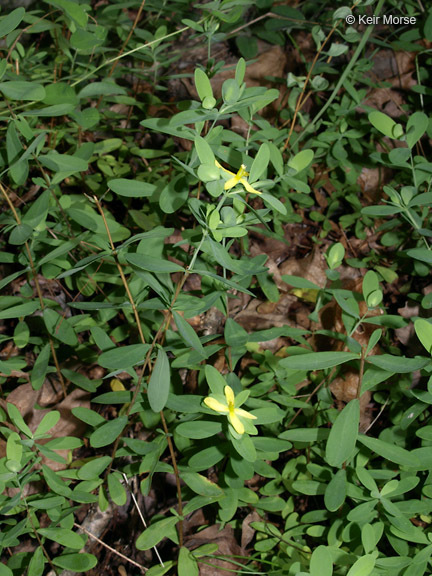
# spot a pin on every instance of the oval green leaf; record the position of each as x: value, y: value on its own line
x: 159, y: 384
x: 108, y: 432
x: 317, y: 360
x: 343, y: 435
x: 131, y: 188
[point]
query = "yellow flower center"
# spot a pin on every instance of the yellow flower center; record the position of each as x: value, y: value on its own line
x: 242, y: 172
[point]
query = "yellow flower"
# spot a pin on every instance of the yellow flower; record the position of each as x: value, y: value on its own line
x: 239, y: 178
x: 229, y: 408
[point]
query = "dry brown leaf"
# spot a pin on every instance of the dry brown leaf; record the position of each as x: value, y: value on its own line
x: 312, y: 267
x: 227, y: 546
x: 247, y: 531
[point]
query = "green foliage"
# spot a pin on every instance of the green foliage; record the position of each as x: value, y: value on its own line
x: 127, y: 220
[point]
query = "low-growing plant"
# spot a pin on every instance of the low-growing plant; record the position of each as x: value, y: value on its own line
x: 128, y: 221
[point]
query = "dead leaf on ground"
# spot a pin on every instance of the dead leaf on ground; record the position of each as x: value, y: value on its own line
x: 227, y: 546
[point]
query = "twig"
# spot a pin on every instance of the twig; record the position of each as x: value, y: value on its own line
x: 120, y: 269
x: 302, y: 99
x: 141, y: 516
x: 143, y: 568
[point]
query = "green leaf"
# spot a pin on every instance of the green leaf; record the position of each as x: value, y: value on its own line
x: 108, y: 432
x: 159, y: 384
x: 215, y: 380
x: 104, y: 88
x: 317, y: 360
x: 245, y: 447
x: 153, y: 264
x: 74, y: 11
x: 383, y: 210
x: 5, y: 571
x: 260, y: 163
x: 343, y: 435
x: 398, y: 364
x: 370, y: 284
x: 336, y: 490
x: 230, y: 91
x: 116, y: 489
x: 274, y: 203
x: 390, y: 452
x: 201, y: 485
x: 18, y: 420
x: 199, y: 429
x: 235, y: 335
x: 423, y: 329
x: 187, y: 564
x: 91, y: 470
x: 20, y: 310
x: 60, y: 327
x: 14, y: 448
x: 422, y: 254
x: 363, y: 566
x: 240, y: 71
x: 47, y: 422
x: 55, y: 482
x: 60, y: 92
x: 38, y: 211
x: 20, y: 234
x: 21, y: 334
x: 11, y: 21
x: 301, y: 160
x: 298, y: 282
x: 64, y: 537
x: 202, y: 84
x: 88, y: 416
x: 76, y: 562
x: 155, y: 533
x: 188, y: 334
x: 205, y: 154
x: 131, y: 188
x: 305, y: 434
x: 37, y: 563
x: 64, y: 443
x: 385, y: 124
x: 123, y: 357
x: 21, y: 90
x: 416, y: 126
x: 205, y: 459
x: 321, y: 562
x: 47, y: 502
x: 63, y: 162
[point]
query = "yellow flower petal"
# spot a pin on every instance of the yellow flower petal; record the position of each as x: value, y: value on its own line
x: 215, y: 405
x: 231, y: 183
x: 229, y: 395
x: 224, y: 169
x: 248, y: 187
x: 244, y: 414
x: 236, y: 423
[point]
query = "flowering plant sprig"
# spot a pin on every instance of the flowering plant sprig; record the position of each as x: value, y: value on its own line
x: 239, y: 178
x: 233, y: 412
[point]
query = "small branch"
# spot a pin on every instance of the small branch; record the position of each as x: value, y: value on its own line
x: 141, y: 516
x: 142, y: 568
x: 361, y: 372
x: 302, y: 99
x: 120, y: 269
